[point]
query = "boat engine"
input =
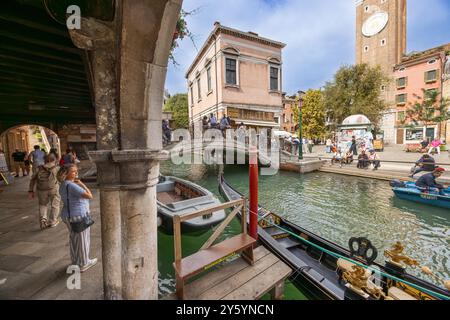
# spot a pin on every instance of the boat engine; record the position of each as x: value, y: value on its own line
x: 397, y: 184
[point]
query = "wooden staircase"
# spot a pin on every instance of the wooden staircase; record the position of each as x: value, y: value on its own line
x: 211, y: 255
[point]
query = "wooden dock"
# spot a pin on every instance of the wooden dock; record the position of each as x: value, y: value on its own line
x: 237, y: 280
x: 379, y: 174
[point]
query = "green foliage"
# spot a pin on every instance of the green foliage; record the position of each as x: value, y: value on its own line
x: 313, y: 115
x: 427, y: 110
x: 178, y: 104
x: 356, y: 90
x: 181, y: 31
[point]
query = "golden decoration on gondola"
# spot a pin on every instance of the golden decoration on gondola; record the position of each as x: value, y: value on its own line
x: 396, y: 255
x: 360, y: 283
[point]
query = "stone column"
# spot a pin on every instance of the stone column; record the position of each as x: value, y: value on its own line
x: 128, y: 62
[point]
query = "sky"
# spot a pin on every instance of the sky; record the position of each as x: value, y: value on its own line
x: 320, y: 34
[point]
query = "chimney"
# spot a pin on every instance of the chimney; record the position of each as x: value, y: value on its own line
x: 217, y: 24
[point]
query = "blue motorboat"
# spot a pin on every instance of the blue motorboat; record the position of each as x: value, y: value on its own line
x: 409, y: 191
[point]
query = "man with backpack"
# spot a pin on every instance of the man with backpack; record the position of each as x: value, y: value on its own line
x: 46, y: 182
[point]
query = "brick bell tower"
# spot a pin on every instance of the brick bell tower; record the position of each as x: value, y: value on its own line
x: 381, y: 36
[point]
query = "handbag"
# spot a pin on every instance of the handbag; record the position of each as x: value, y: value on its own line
x: 84, y: 223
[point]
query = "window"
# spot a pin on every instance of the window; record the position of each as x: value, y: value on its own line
x: 414, y: 134
x: 191, y: 89
x: 208, y: 76
x: 402, y: 82
x: 366, y: 9
x: 401, y: 116
x: 199, y: 89
x: 383, y: 88
x: 230, y: 66
x: 383, y: 42
x: 402, y: 69
x: 366, y: 49
x: 274, y: 78
x: 432, y: 61
x: 401, y: 98
x: 431, y: 76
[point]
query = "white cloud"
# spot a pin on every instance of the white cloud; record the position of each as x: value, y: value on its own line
x: 320, y: 34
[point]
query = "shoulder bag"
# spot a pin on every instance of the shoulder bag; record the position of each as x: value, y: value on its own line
x: 84, y: 223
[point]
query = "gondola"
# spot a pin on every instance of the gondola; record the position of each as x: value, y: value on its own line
x: 322, y: 269
x: 409, y: 191
x: 176, y: 196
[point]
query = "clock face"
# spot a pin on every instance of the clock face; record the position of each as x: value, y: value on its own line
x: 375, y: 24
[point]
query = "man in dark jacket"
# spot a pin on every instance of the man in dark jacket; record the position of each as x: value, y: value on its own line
x: 425, y: 163
x: 19, y: 162
x: 428, y: 182
x: 354, y: 148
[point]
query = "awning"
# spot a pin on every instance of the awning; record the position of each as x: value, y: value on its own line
x: 257, y: 123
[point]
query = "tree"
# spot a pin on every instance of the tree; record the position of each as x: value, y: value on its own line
x: 178, y: 105
x: 313, y: 115
x: 356, y: 90
x: 427, y: 110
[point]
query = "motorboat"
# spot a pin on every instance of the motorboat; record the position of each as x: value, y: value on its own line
x: 176, y: 196
x: 409, y: 191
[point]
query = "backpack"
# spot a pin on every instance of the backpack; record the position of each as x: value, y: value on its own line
x: 46, y: 178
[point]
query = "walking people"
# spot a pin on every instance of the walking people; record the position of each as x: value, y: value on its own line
x: 354, y: 147
x: 46, y: 183
x: 36, y: 158
x: 75, y: 197
x: 310, y: 145
x: 19, y: 162
x: 68, y: 158
x: 328, y: 146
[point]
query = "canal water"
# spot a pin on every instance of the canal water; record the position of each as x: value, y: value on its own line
x: 336, y: 207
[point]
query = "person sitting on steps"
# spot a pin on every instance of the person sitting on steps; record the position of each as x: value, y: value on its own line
x: 425, y: 163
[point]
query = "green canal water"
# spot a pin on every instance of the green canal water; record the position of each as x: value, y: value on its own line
x: 335, y: 207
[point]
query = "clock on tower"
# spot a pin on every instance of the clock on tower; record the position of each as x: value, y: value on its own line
x: 380, y: 32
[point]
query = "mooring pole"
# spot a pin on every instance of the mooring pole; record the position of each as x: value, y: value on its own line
x: 253, y: 185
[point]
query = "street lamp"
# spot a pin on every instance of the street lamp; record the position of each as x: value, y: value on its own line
x: 300, y: 137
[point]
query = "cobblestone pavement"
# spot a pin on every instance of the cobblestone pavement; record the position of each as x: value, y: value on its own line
x: 33, y: 263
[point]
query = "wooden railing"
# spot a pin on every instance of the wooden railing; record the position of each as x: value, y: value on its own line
x: 207, y: 257
x: 177, y: 220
